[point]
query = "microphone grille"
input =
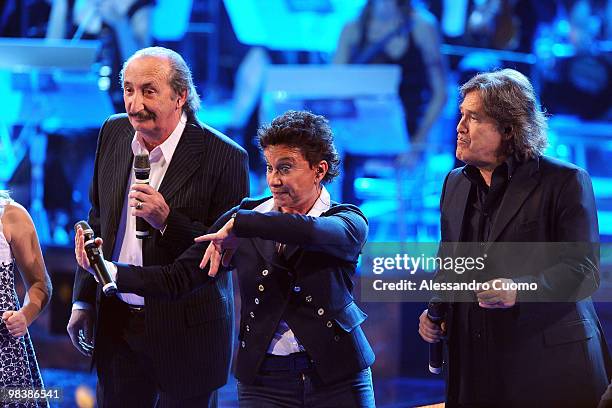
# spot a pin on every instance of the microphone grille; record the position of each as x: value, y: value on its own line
x: 141, y: 161
x: 84, y: 226
x: 436, y: 308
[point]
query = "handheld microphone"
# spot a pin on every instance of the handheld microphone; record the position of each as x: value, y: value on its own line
x: 436, y: 312
x: 94, y: 256
x: 142, y: 169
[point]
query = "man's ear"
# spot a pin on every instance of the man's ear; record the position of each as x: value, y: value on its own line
x: 181, y: 99
x: 321, y: 169
x: 507, y: 134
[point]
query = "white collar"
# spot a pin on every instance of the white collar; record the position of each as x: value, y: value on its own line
x: 322, y: 204
x: 167, y: 148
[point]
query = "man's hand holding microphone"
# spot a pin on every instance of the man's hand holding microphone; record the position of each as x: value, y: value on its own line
x: 89, y: 256
x: 149, y: 206
x: 432, y: 329
x: 431, y: 332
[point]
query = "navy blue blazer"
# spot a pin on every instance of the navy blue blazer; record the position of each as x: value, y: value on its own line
x: 311, y: 291
x: 545, y: 353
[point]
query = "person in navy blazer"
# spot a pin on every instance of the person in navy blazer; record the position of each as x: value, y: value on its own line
x: 509, y: 348
x: 295, y: 253
x: 174, y: 353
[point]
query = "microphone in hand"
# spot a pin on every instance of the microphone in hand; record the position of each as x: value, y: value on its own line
x: 96, y: 260
x: 142, y: 170
x: 436, y: 312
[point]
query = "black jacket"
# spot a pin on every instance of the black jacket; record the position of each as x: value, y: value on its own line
x: 189, y: 339
x: 537, y: 353
x: 311, y: 289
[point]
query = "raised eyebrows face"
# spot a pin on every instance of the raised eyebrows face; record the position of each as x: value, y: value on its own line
x: 295, y: 185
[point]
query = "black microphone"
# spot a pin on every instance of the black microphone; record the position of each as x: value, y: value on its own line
x: 142, y: 169
x: 94, y: 255
x: 436, y: 312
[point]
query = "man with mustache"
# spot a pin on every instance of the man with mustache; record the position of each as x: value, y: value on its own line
x: 507, y: 348
x: 149, y: 351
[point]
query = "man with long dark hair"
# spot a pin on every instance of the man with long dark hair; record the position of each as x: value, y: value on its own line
x: 508, y: 348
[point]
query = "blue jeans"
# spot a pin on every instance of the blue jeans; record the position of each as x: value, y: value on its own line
x: 303, y: 388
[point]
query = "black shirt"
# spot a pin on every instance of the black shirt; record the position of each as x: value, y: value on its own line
x: 483, y: 201
x: 472, y: 326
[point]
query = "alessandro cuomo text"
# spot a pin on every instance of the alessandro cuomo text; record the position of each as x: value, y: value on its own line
x: 409, y: 285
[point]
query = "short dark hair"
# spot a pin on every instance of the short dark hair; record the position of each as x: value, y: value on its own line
x: 179, y: 78
x: 508, y: 98
x: 305, y: 131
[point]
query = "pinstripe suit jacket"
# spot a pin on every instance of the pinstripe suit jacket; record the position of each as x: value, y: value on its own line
x: 189, y: 339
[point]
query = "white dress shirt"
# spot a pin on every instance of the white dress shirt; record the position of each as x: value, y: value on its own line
x: 128, y: 248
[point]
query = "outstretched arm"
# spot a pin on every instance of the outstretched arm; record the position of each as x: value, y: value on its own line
x: 340, y: 234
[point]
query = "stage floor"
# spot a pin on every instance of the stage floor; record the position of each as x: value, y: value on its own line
x: 390, y: 393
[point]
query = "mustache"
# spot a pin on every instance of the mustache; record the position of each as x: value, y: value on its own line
x: 143, y: 115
